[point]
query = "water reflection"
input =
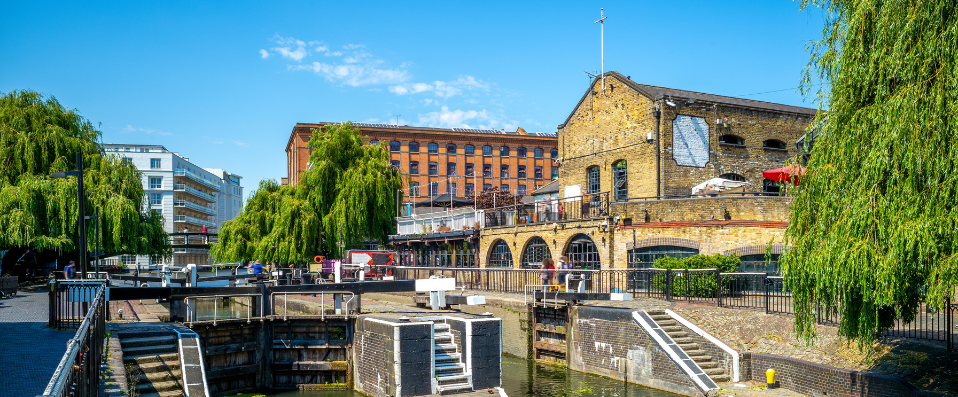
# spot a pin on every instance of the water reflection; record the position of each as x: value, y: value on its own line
x: 528, y: 378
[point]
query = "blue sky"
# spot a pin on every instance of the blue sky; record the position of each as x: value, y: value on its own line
x: 223, y: 83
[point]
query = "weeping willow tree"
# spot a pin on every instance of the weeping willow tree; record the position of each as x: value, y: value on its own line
x: 38, y: 137
x: 874, y: 226
x: 349, y: 195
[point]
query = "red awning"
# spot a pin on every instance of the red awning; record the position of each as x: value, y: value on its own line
x: 792, y: 173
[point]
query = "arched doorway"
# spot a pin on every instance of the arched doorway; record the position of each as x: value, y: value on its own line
x: 536, y: 250
x: 583, y: 253
x: 500, y: 255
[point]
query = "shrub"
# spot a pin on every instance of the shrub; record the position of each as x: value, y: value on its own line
x: 695, y: 284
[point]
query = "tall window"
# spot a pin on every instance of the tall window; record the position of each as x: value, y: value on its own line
x: 470, y: 190
x: 414, y: 189
x: 451, y: 188
x: 433, y: 147
x: 486, y: 187
x: 394, y: 146
x: 535, y: 252
x: 500, y: 256
x: 733, y: 177
x: 537, y: 152
x: 582, y: 253
x: 504, y: 188
x: 538, y: 172
x: 644, y: 258
x: 450, y: 168
x: 470, y: 169
x: 487, y: 170
x: 433, y: 169
x: 772, y: 187
x: 413, y: 168
x: 504, y: 171
x: 521, y: 171
x: 450, y: 148
x: 620, y: 178
x: 394, y: 163
x: 486, y: 150
x: 503, y: 151
x: 757, y: 264
x: 554, y: 153
x: 521, y: 151
x: 470, y: 149
x: 554, y: 172
x: 595, y: 183
x: 413, y: 147
x: 373, y: 142
x: 156, y: 199
x: 433, y: 189
x: 522, y: 190
x: 156, y: 182
x: 156, y: 164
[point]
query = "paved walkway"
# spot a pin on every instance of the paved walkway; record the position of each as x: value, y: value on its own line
x: 31, y: 350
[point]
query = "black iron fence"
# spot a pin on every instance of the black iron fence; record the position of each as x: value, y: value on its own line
x: 78, y: 374
x: 70, y: 301
x: 756, y: 291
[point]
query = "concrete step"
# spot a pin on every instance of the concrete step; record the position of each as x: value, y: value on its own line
x: 706, y: 364
x: 714, y: 371
x: 449, y: 368
x: 687, y: 346
x: 158, y: 387
x: 152, y: 358
x: 720, y: 378
x: 678, y: 334
x: 446, y: 347
x: 147, y: 341
x: 157, y: 376
x: 444, y: 338
x: 441, y: 327
x: 455, y: 388
x: 669, y: 329
x: 694, y: 354
x: 170, y: 365
x: 446, y: 357
x: 682, y: 340
x: 174, y: 393
x: 452, y: 379
x: 151, y: 349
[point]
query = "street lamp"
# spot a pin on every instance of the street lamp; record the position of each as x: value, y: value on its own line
x: 80, y: 218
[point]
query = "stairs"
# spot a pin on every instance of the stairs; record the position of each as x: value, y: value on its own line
x: 449, y: 369
x: 152, y: 361
x: 692, y: 349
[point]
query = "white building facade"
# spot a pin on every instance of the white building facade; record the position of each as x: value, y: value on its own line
x: 189, y: 198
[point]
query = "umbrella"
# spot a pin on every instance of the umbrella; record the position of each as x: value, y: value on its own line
x: 719, y: 184
x: 792, y: 173
x: 444, y: 200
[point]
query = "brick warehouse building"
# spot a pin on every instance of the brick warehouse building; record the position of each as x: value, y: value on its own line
x: 629, y: 155
x: 441, y: 160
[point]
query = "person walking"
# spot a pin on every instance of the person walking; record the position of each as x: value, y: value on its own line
x: 563, y: 270
x: 548, y: 267
x: 548, y: 208
x: 70, y: 271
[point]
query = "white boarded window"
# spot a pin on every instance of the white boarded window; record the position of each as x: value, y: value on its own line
x: 690, y: 141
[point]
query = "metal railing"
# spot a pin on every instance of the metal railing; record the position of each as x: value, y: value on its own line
x: 179, y: 187
x: 587, y: 206
x: 224, y: 308
x: 756, y: 291
x: 195, y: 221
x: 198, y: 178
x: 322, y: 305
x: 457, y: 219
x: 70, y: 301
x: 193, y: 206
x: 78, y: 374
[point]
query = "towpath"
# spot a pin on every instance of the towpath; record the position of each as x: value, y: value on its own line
x: 30, y: 351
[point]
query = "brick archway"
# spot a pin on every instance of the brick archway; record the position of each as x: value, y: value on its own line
x: 659, y: 241
x: 522, y: 253
x: 774, y: 249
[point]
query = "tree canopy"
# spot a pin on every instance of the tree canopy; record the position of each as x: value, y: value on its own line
x: 874, y: 225
x: 38, y: 137
x: 349, y: 194
x: 495, y: 198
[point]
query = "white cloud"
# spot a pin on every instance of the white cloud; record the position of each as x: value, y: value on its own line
x: 360, y: 70
x: 129, y: 128
x: 240, y: 143
x: 334, y: 54
x: 354, y: 46
x: 263, y: 53
x: 429, y: 102
x: 454, y: 118
x: 442, y: 89
x: 287, y: 52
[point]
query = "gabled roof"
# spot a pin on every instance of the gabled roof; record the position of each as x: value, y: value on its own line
x: 656, y: 93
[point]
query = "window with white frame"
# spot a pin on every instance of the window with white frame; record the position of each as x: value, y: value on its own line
x: 156, y: 164
x: 156, y: 199
x: 156, y: 182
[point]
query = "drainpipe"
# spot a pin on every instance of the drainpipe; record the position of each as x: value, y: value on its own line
x: 657, y: 113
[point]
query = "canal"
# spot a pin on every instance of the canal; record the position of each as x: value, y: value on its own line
x: 522, y: 378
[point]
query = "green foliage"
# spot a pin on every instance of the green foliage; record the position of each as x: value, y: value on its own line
x: 725, y: 263
x: 697, y: 284
x: 873, y: 226
x: 350, y: 193
x: 38, y: 137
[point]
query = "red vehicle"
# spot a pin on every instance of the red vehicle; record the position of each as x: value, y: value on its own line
x: 380, y: 262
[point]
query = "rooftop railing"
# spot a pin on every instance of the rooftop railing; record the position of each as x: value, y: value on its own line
x: 197, y: 177
x: 583, y: 207
x: 179, y: 187
x: 457, y: 219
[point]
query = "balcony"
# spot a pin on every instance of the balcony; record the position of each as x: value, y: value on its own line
x: 584, y: 207
x: 195, y: 207
x: 196, y: 177
x: 195, y: 221
x: 193, y: 240
x: 439, y: 222
x: 179, y: 187
x: 191, y: 250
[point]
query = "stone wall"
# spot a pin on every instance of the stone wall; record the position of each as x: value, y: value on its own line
x: 481, y: 347
x: 753, y: 208
x: 818, y: 380
x: 606, y: 341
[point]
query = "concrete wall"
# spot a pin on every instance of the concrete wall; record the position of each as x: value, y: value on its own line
x: 480, y: 341
x: 393, y: 359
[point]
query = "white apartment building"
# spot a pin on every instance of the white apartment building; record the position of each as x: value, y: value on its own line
x: 188, y: 196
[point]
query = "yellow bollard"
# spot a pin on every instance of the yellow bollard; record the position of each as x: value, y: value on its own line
x: 770, y: 377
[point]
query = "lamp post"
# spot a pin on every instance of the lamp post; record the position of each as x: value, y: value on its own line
x: 80, y: 218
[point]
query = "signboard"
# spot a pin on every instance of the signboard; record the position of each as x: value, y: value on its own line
x: 690, y: 141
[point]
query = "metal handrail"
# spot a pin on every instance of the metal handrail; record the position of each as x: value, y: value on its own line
x: 191, y: 311
x: 179, y: 187
x: 194, y: 206
x: 62, y: 374
x: 196, y: 177
x: 322, y: 302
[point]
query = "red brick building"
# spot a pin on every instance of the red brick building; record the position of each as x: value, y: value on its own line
x: 460, y: 161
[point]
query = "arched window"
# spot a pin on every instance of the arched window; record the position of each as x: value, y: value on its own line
x: 620, y: 179
x: 644, y: 258
x: 433, y: 147
x: 413, y: 147
x: 733, y: 140
x: 536, y: 250
x: 395, y: 146
x: 500, y: 256
x: 470, y: 149
x: 450, y: 148
x: 503, y: 151
x: 520, y: 151
x: 774, y: 188
x: 774, y: 144
x: 373, y: 142
x: 595, y: 183
x: 582, y: 253
x: 733, y: 177
x: 486, y: 150
x: 537, y: 152
x: 554, y: 153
